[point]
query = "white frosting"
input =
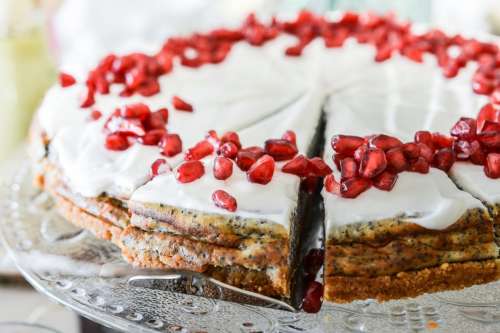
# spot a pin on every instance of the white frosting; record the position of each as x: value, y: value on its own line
x: 471, y: 177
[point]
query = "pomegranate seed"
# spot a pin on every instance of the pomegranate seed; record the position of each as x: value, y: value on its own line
x: 131, y: 127
x: 331, y: 185
x: 313, y: 261
x: 411, y: 150
x: 373, y: 162
x: 135, y: 77
x: 451, y: 69
x: 462, y: 149
x: 359, y: 152
x: 290, y: 136
x: 490, y: 140
x: 190, y: 171
x: 424, y: 137
x: 492, y: 165
x: 223, y: 168
x: 419, y: 165
x: 352, y: 187
x: 171, y: 144
x: 384, y: 142
x: 88, y: 98
x: 337, y: 158
x: 181, y: 105
x: 299, y: 166
x: 213, y: 138
x: 152, y: 137
x: 156, y: 120
x: 138, y: 110
x: 383, y: 53
x: 483, y: 86
x: 444, y: 159
x: 261, y: 172
x: 224, y: 200
x: 348, y: 168
x: 346, y: 144
x: 487, y: 112
x: 66, y: 80
x: 248, y: 156
x: 117, y: 141
x: 295, y: 51
x: 441, y: 141
x: 426, y: 152
x: 385, y: 181
x: 95, y: 115
x: 396, y: 160
x: 231, y: 137
x: 229, y: 150
x: 199, y: 151
x: 280, y: 150
x: 477, y: 154
x: 495, y: 96
x: 160, y: 166
x: 313, y: 297
x: 490, y: 126
x: 464, y: 129
x: 149, y: 88
x: 318, y: 167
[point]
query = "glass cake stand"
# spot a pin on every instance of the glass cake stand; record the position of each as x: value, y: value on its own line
x: 88, y: 275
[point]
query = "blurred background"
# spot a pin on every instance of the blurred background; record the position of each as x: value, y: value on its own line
x: 40, y: 37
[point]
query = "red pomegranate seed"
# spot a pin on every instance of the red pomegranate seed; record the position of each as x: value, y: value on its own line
x: 131, y: 127
x: 411, y: 150
x: 213, y: 138
x: 462, y: 149
x: 492, y: 165
x: 331, y: 185
x: 224, y: 200
x: 396, y: 160
x: 290, y: 136
x: 384, y: 142
x: 313, y: 297
x: 149, y: 88
x: 444, y: 159
x: 352, y: 187
x: 490, y: 140
x: 490, y: 126
x: 246, y: 157
x: 95, y: 115
x: 231, y: 137
x: 135, y: 77
x: 384, y: 52
x: 359, y: 152
x: 137, y: 110
x: 373, y: 162
x: 348, y: 168
x: 441, y: 141
x: 464, y: 129
x: 199, y: 151
x: 424, y: 137
x: 181, y: 105
x: 337, y: 158
x: 223, y: 168
x: 152, y: 137
x: 66, y: 80
x: 190, y: 171
x: 419, y: 165
x: 156, y: 120
x: 346, y: 144
x: 495, y: 96
x: 451, y: 69
x: 261, y: 172
x: 487, y: 112
x: 299, y: 166
x: 88, y: 98
x: 477, y: 154
x: 117, y: 141
x: 280, y: 150
x: 482, y: 85
x: 385, y: 181
x: 426, y: 152
x: 171, y: 144
x: 229, y: 150
x: 160, y: 166
x: 318, y: 167
x: 294, y: 51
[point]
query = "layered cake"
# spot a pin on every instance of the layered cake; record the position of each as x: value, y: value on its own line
x: 210, y: 155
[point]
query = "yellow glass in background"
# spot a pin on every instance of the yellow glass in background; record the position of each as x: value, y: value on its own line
x: 26, y: 71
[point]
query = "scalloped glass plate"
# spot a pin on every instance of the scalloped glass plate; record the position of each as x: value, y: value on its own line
x: 89, y: 276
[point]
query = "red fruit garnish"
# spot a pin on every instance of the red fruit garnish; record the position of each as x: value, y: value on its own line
x: 213, y: 138
x: 490, y: 126
x: 490, y: 140
x: 88, y: 98
x: 199, y: 151
x: 464, y: 129
x: 462, y: 150
x: 66, y: 80
x: 181, y: 105
x: 492, y: 165
x: 441, y: 141
x: 189, y: 171
x: 477, y: 154
x: 290, y: 136
x: 137, y: 110
x: 384, y: 142
x: 152, y: 137
x: 224, y: 200
x: 337, y: 158
x: 346, y: 144
x: 426, y: 152
x: 280, y: 150
x: 411, y: 150
x: 231, y: 137
x: 132, y: 127
x: 348, y: 168
x: 157, y: 119
x: 246, y: 157
x: 313, y: 297
x: 223, y: 168
x: 261, y: 172
x: 396, y: 160
x: 299, y: 166
x: 487, y: 112
x: 331, y: 185
x: 159, y: 167
x: 117, y: 141
x: 373, y: 162
x: 318, y: 167
x: 95, y: 115
x: 419, y: 165
x: 228, y: 149
x: 352, y: 187
x: 495, y: 96
x: 385, y: 181
x: 359, y: 152
x: 171, y: 144
x: 424, y: 137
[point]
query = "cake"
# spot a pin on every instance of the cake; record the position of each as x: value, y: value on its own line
x: 210, y: 156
